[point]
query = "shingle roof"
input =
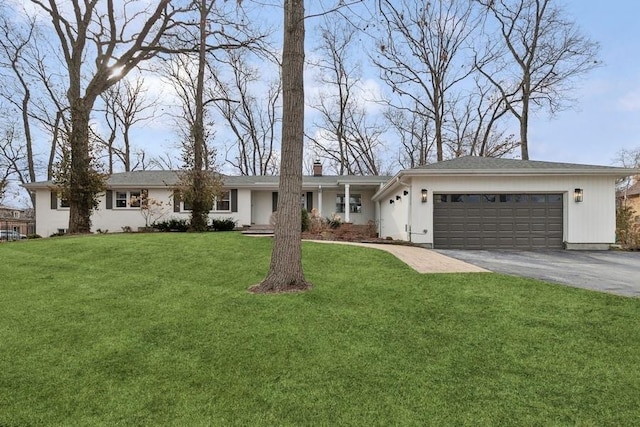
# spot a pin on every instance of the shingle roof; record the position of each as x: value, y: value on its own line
x: 474, y: 163
x: 470, y: 166
x: 157, y: 178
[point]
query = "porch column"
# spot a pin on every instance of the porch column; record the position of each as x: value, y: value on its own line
x: 319, y: 201
x: 347, y: 204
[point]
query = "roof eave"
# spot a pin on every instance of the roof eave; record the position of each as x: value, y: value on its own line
x: 614, y: 172
x: 397, y: 179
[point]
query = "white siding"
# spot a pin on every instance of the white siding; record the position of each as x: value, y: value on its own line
x: 589, y: 222
x: 49, y: 221
x: 394, y: 217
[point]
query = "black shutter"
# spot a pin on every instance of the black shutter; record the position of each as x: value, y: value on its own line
x: 176, y: 201
x: 54, y: 200
x: 309, y: 201
x: 274, y: 201
x: 109, y: 199
x: 233, y: 194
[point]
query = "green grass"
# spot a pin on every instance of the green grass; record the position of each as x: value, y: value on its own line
x: 158, y: 329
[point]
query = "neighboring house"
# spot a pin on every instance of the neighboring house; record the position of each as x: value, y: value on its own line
x: 488, y: 203
x: 464, y: 203
x: 250, y: 200
x: 631, y: 197
x: 18, y: 220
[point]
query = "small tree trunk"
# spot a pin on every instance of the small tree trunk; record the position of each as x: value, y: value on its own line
x: 285, y: 273
x: 524, y: 127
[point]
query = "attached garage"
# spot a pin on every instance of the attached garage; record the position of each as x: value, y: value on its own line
x: 490, y: 203
x: 497, y: 221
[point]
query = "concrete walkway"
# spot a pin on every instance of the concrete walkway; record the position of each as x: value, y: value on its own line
x: 420, y: 259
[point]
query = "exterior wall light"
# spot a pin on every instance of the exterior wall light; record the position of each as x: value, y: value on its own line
x: 577, y: 195
x: 391, y: 201
x: 423, y: 194
x: 398, y: 197
x: 405, y: 192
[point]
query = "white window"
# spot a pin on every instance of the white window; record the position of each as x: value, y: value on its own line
x: 127, y: 199
x: 222, y: 202
x: 355, y: 203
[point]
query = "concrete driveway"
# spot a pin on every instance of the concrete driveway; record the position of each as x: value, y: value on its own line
x: 606, y: 271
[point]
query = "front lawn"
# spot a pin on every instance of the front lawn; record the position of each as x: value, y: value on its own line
x: 159, y: 329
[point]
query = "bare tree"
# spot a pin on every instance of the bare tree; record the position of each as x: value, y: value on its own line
x: 422, y: 55
x: 251, y: 117
x: 474, y: 123
x: 534, y: 58
x: 285, y: 271
x: 212, y: 31
x: 108, y: 37
x: 49, y: 108
x: 414, y: 131
x: 125, y: 105
x: 14, y: 41
x: 13, y: 157
x: 344, y: 134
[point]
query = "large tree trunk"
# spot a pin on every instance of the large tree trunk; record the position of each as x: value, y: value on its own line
x: 200, y: 210
x: 285, y: 273
x: 81, y: 191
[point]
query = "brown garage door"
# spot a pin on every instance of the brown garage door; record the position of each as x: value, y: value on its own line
x: 497, y: 221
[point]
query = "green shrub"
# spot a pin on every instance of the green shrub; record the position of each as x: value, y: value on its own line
x: 306, y: 221
x: 34, y: 236
x: 627, y: 228
x: 226, y: 224
x: 172, y: 224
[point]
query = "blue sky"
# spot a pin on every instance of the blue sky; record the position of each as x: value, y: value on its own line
x: 604, y: 120
x: 606, y: 117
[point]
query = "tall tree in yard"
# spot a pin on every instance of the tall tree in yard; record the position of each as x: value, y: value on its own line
x: 215, y: 28
x: 535, y: 56
x: 105, y: 35
x: 422, y: 57
x: 285, y: 271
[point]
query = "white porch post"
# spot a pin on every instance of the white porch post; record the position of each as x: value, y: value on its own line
x: 347, y: 204
x: 320, y: 201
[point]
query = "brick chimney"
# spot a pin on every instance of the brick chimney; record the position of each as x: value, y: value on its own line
x: 317, y: 168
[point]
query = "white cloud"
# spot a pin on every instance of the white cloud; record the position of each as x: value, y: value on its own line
x: 630, y: 101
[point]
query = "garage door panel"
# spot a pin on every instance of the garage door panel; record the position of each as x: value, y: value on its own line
x: 473, y: 227
x: 539, y: 212
x: 505, y: 227
x: 537, y: 227
x: 490, y: 227
x: 499, y: 221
